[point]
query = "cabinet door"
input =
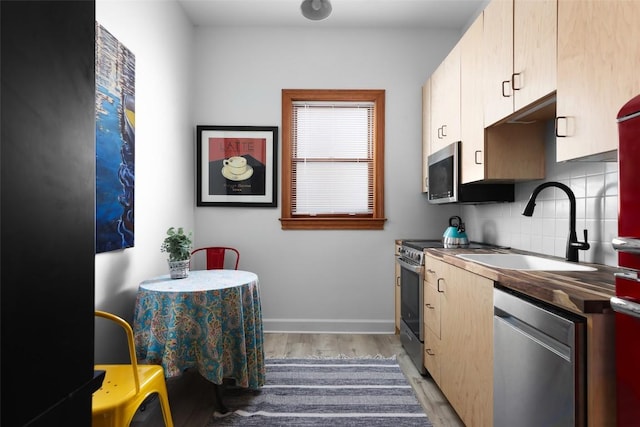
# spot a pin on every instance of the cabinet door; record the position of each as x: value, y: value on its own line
x: 466, y: 365
x: 397, y: 296
x: 598, y: 63
x: 534, y: 50
x: 432, y: 354
x: 426, y: 133
x: 445, y: 101
x: 519, y: 55
x: 498, y: 60
x: 471, y: 118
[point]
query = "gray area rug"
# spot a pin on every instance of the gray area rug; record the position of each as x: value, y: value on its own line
x: 325, y: 392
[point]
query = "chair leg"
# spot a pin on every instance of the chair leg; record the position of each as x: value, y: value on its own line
x: 219, y: 405
x: 166, y: 411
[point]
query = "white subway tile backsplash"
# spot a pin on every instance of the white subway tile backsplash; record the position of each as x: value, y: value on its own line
x: 595, y: 185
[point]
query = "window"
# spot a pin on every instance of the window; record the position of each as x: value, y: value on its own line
x: 332, y: 159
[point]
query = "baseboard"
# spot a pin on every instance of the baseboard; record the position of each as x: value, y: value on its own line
x: 333, y: 326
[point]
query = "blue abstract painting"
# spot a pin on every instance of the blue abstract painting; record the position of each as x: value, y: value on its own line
x: 115, y: 143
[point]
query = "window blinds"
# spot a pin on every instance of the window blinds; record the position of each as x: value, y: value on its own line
x: 332, y: 158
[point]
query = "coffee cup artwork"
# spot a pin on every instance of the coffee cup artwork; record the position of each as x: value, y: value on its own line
x: 236, y: 168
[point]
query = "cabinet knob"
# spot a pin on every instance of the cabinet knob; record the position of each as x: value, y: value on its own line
x: 565, y: 120
x: 515, y: 86
x: 506, y: 86
x: 478, y: 162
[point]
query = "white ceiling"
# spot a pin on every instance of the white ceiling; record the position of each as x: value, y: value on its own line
x: 450, y: 14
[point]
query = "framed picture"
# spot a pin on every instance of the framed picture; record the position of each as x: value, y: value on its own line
x: 237, y: 165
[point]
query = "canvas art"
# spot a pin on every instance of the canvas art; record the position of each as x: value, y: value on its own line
x: 115, y: 143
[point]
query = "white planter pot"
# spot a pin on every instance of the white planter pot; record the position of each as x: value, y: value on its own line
x: 179, y: 269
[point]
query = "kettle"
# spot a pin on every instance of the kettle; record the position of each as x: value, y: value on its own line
x: 454, y: 236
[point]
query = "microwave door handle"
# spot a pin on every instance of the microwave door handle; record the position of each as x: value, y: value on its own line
x: 626, y: 244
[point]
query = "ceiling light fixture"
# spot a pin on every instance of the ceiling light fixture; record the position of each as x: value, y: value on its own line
x: 316, y: 9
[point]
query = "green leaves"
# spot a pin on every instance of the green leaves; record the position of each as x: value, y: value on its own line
x: 177, y: 244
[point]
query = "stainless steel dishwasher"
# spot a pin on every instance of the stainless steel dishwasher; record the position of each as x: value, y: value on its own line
x: 539, y: 364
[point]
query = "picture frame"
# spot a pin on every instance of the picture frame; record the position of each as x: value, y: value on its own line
x: 237, y: 165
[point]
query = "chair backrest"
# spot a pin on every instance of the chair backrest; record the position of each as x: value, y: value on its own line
x: 130, y: 342
x: 215, y: 256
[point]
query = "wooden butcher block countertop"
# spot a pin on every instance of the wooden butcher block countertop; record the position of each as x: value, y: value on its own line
x: 583, y: 292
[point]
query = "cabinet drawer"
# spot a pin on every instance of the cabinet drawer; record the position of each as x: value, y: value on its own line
x: 432, y: 354
x: 431, y: 309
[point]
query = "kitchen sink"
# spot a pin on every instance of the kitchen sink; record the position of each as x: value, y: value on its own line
x: 524, y: 262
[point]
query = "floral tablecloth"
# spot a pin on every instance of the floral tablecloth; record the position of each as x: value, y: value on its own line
x: 211, y: 320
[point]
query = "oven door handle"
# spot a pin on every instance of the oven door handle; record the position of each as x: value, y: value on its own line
x: 411, y: 267
x: 622, y: 306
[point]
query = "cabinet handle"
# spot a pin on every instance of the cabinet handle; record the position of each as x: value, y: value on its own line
x: 513, y: 82
x: 426, y: 183
x: 444, y: 131
x: 398, y: 281
x: 429, y: 306
x: 429, y: 352
x: 430, y: 271
x: 505, y: 84
x: 565, y: 118
x: 440, y: 133
x: 476, y: 157
x: 438, y: 285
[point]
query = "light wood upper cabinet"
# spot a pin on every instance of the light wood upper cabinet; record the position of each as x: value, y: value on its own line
x: 445, y: 101
x: 426, y: 133
x: 463, y: 353
x: 471, y: 105
x: 520, y: 39
x: 508, y: 152
x: 598, y: 63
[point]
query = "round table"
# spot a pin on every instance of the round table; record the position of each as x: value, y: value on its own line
x: 210, y: 320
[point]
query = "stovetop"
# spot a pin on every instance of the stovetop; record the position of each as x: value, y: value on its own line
x: 424, y: 244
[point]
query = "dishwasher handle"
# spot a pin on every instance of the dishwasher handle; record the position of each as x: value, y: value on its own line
x: 623, y: 306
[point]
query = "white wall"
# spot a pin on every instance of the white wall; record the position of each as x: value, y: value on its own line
x: 160, y: 37
x: 595, y: 185
x: 321, y: 280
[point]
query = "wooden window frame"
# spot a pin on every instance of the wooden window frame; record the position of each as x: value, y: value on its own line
x: 374, y: 221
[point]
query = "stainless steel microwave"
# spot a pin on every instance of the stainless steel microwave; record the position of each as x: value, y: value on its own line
x: 444, y: 181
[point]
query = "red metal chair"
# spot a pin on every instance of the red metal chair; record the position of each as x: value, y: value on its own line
x: 215, y: 256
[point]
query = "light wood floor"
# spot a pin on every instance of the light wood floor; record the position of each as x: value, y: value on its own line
x: 191, y: 396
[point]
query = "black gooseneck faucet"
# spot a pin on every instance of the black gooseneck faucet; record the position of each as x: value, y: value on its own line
x: 573, y: 245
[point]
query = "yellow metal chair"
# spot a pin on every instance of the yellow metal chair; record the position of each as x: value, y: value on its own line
x: 126, y: 387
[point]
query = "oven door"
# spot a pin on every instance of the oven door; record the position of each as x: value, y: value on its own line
x: 411, y: 294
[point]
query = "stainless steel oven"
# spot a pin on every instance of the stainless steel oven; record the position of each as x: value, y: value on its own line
x: 411, y: 262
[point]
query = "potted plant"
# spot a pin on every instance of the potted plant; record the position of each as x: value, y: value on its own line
x: 178, y: 245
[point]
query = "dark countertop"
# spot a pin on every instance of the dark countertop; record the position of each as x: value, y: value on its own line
x: 577, y: 291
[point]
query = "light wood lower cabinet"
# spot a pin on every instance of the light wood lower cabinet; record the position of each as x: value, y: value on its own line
x: 459, y: 339
x: 398, y: 300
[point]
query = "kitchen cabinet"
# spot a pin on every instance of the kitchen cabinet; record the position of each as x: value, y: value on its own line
x: 598, y: 63
x: 397, y: 296
x: 461, y: 357
x: 426, y: 133
x: 431, y: 312
x: 509, y: 152
x: 445, y: 102
x: 519, y: 43
x: 471, y: 116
